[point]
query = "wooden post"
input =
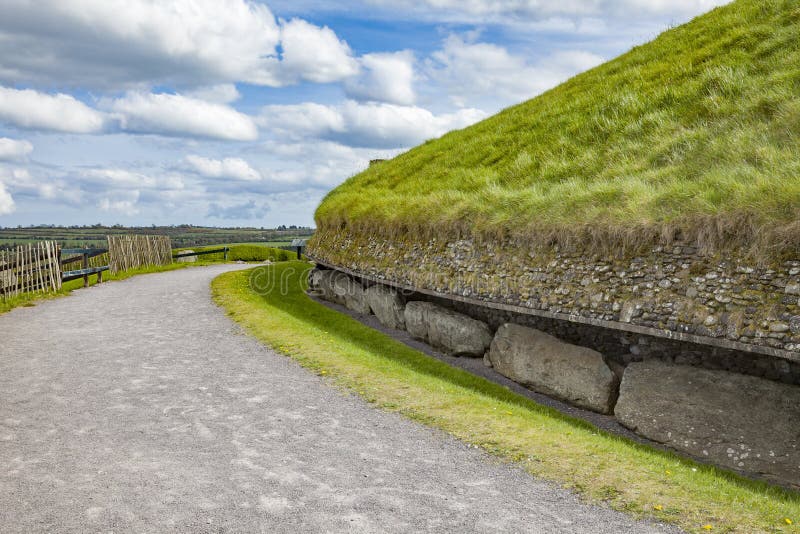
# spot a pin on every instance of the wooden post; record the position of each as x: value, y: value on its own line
x: 85, y: 264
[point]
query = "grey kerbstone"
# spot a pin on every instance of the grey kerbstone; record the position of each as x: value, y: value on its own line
x: 328, y: 286
x: 353, y: 293
x: 314, y: 277
x: 456, y: 333
x: 416, y: 318
x: 733, y: 420
x: 548, y: 365
x: 387, y: 305
x: 187, y: 259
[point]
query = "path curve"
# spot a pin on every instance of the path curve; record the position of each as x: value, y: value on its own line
x: 138, y: 406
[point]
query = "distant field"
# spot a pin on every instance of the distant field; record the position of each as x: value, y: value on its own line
x: 182, y: 236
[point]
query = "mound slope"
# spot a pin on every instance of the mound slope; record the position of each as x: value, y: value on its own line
x: 693, y: 136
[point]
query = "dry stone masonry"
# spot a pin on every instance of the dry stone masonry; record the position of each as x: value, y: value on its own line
x: 733, y: 408
x: 674, y: 292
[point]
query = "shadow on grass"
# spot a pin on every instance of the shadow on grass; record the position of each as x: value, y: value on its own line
x: 295, y: 302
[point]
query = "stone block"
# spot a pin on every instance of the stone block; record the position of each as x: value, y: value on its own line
x: 546, y: 364
x: 733, y: 420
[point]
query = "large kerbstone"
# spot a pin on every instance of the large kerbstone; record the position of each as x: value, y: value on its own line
x: 416, y: 317
x: 353, y: 292
x: 456, y: 333
x: 387, y: 305
x: 733, y: 420
x: 548, y: 365
x: 327, y: 284
x: 186, y: 259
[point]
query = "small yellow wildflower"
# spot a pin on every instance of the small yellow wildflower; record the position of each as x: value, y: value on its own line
x: 658, y: 507
x: 669, y: 473
x: 787, y: 521
x: 707, y: 527
x: 509, y: 413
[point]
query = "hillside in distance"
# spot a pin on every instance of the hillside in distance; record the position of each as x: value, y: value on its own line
x: 693, y: 136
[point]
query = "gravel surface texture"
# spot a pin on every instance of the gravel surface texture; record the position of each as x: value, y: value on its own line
x: 138, y: 406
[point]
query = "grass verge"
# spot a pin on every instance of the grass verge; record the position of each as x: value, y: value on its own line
x: 241, y: 252
x: 601, y: 467
x: 31, y: 299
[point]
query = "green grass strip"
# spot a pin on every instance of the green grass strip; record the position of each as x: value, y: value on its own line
x: 601, y: 467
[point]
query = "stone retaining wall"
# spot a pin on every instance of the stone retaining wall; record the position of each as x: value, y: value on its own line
x: 674, y: 292
x: 725, y: 417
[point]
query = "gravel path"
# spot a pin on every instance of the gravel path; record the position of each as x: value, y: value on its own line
x: 137, y: 406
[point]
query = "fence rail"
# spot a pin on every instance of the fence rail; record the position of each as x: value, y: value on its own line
x: 132, y: 251
x: 34, y: 267
x: 202, y: 252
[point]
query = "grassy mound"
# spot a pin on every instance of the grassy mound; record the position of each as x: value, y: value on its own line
x: 692, y: 136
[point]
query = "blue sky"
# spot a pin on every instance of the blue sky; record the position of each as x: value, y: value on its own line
x: 244, y: 113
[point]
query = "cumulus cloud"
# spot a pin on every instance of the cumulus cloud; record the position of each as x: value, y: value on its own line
x: 385, y: 77
x: 178, y: 115
x: 232, y: 168
x: 223, y: 93
x: 374, y: 125
x: 474, y: 70
x: 314, y: 54
x: 27, y: 108
x: 134, y: 43
x: 123, y: 203
x: 7, y: 205
x: 14, y: 150
x: 110, y: 179
x: 247, y: 210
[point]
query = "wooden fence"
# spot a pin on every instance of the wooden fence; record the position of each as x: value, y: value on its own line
x: 132, y: 251
x: 34, y: 267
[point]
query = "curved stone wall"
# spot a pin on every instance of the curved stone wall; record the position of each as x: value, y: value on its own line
x: 674, y: 293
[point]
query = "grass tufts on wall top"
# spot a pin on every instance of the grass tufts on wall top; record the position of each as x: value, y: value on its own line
x: 694, y: 136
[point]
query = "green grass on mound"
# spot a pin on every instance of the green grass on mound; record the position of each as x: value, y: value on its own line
x: 629, y: 477
x: 694, y: 135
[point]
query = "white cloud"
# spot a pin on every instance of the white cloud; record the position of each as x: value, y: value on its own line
x: 178, y: 115
x: 124, y: 203
x: 135, y: 44
x: 14, y: 150
x: 479, y: 70
x: 7, y: 205
x: 27, y: 108
x: 106, y: 179
x: 528, y: 11
x: 364, y: 125
x: 224, y: 93
x: 385, y: 77
x: 247, y: 210
x: 233, y: 168
x: 107, y: 42
x: 314, y: 54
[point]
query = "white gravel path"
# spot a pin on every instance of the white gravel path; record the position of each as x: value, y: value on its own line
x: 138, y: 406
